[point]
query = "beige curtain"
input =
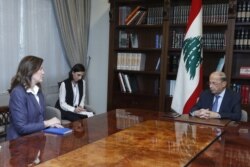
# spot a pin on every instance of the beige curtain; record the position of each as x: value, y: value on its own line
x: 73, y: 18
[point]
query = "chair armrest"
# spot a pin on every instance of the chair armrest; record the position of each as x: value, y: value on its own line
x: 90, y: 109
x: 51, y: 112
x: 244, y: 116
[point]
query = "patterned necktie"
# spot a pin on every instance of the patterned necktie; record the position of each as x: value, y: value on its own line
x: 215, y: 104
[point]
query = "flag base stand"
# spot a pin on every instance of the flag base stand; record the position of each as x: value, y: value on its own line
x: 171, y: 114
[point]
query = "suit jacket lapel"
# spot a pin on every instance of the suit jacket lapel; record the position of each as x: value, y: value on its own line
x: 224, y: 100
x: 35, y: 102
x: 210, y: 100
x: 42, y: 102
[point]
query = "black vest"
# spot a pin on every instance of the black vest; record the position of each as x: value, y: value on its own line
x: 69, y: 92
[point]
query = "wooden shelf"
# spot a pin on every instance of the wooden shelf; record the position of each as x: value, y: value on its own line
x: 245, y: 51
x: 156, y: 73
x: 138, y: 94
x: 204, y: 50
x: 136, y: 27
x: 240, y: 78
x: 205, y: 25
x: 138, y: 50
x: 242, y: 24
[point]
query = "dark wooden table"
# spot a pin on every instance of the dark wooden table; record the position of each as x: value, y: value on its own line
x: 214, y: 122
x: 232, y: 149
x: 229, y: 149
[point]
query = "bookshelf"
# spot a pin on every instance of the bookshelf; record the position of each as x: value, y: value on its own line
x: 136, y: 53
x: 241, y: 50
x: 158, y: 38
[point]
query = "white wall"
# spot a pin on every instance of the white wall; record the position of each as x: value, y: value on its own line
x: 98, y: 51
x: 4, y: 99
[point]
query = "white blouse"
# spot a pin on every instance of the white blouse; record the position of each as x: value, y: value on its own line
x: 34, y: 91
x: 76, y: 94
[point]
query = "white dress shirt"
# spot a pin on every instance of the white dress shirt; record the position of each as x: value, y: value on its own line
x: 34, y: 91
x: 62, y: 97
x: 220, y: 99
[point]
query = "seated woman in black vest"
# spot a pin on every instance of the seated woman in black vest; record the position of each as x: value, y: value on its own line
x: 72, y: 95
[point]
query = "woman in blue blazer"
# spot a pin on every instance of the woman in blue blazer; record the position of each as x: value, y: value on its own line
x: 27, y: 104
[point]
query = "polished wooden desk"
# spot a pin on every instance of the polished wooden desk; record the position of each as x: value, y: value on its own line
x: 214, y: 122
x: 232, y: 149
x: 43, y: 149
x: 151, y: 143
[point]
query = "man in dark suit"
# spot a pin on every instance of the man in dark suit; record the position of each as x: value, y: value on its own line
x: 227, y: 105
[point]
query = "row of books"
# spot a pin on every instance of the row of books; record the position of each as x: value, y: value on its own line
x: 212, y: 13
x: 128, y: 84
x: 210, y: 40
x: 174, y: 63
x: 140, y: 15
x: 155, y: 15
x: 136, y: 17
x: 177, y: 39
x: 214, y: 40
x: 244, y: 90
x: 131, y: 61
x: 170, y: 87
x: 158, y: 41
x: 242, y: 39
x: 130, y: 40
x: 123, y: 13
x: 243, y: 11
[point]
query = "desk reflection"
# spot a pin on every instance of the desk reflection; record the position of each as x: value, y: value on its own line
x: 27, y: 151
x: 125, y: 119
x: 233, y: 149
x: 150, y: 143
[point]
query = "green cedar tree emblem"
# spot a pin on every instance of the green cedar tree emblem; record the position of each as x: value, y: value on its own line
x: 192, y: 54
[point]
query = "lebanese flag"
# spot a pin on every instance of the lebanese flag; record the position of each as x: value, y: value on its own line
x: 189, y: 77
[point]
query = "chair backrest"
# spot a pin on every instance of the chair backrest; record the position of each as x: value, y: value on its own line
x: 244, y: 116
x: 51, y: 111
x: 51, y: 99
x: 4, y: 115
x: 4, y: 120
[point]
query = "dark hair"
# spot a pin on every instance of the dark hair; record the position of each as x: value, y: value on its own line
x: 26, y: 68
x: 76, y: 68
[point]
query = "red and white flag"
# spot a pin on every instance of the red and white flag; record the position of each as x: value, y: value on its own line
x: 189, y: 77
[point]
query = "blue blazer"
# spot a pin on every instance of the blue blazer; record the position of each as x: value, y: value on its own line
x: 230, y: 106
x: 26, y: 114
